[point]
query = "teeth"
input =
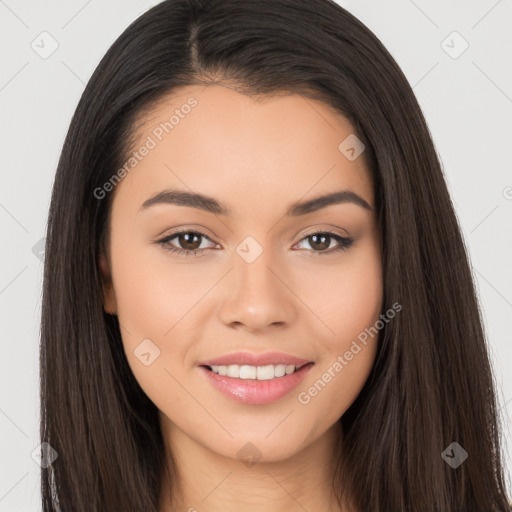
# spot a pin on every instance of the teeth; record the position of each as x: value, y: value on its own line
x: 255, y: 372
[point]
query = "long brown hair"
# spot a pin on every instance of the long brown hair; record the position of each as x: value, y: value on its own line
x: 431, y: 383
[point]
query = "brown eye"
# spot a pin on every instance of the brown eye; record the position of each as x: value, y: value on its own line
x: 321, y: 241
x: 187, y: 242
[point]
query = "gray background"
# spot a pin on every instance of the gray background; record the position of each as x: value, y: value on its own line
x: 466, y: 98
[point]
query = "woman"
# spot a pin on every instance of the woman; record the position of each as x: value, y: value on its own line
x: 256, y: 293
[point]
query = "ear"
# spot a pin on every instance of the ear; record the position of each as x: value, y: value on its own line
x: 109, y: 297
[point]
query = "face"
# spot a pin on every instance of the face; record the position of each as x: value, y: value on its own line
x: 262, y: 276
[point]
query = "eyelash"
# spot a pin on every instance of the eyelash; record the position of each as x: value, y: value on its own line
x: 344, y: 242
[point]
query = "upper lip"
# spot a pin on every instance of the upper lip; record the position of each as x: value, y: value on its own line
x: 248, y: 358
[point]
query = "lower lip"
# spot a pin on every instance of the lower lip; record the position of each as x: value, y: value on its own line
x: 256, y: 392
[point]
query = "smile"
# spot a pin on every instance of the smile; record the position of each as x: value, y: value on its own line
x: 255, y: 385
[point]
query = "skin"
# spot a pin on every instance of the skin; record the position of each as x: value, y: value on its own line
x: 257, y: 156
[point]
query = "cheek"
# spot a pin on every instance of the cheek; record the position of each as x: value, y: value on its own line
x: 349, y: 302
x: 152, y: 295
x: 346, y: 297
x: 152, y: 303
x: 336, y: 383
x: 152, y: 314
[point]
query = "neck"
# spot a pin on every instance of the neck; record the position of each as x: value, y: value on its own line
x: 213, y: 482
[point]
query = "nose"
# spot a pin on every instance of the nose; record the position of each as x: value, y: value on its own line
x: 258, y: 295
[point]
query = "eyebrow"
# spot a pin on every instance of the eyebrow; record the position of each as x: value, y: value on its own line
x: 209, y: 204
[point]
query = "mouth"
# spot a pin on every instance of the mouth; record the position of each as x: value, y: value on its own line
x: 255, y: 385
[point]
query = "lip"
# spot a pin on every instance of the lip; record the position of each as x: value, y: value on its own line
x: 248, y: 358
x: 253, y: 391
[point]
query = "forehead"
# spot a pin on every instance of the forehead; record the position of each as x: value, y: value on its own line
x: 248, y: 152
